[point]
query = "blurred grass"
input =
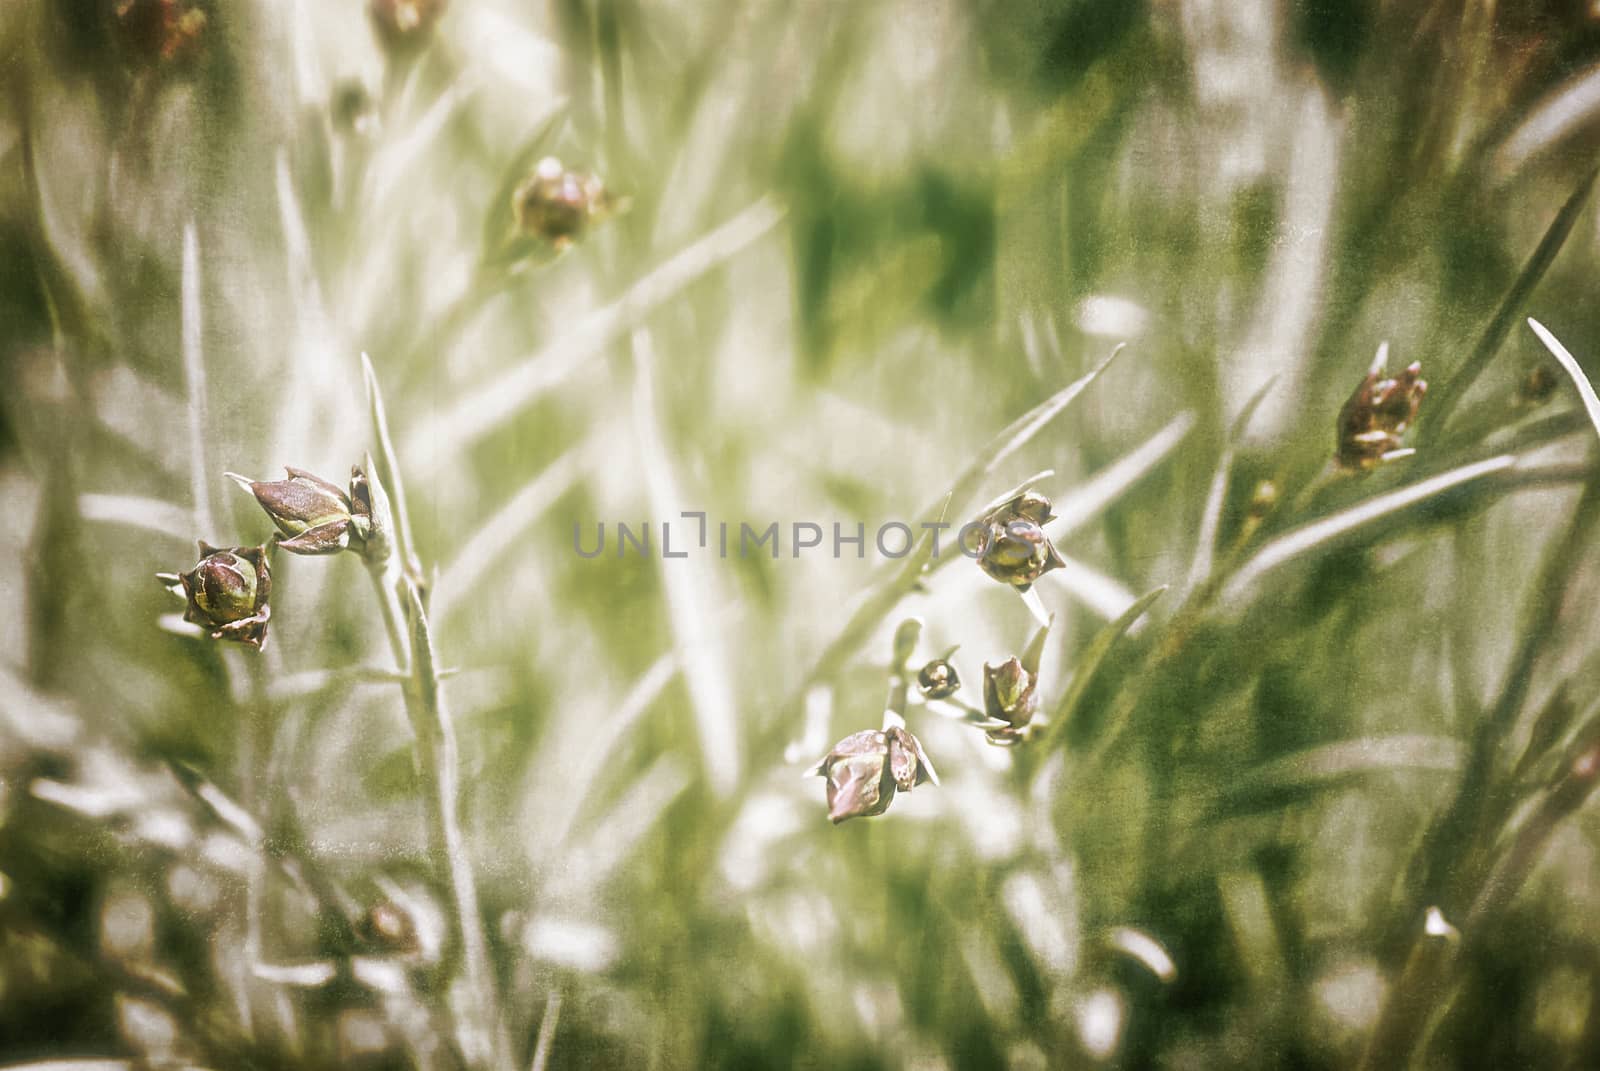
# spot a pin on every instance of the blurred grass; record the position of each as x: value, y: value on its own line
x: 862, y: 240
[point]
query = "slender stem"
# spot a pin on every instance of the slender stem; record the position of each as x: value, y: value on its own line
x: 438, y: 760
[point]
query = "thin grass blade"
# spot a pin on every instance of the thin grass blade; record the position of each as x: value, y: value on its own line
x: 1089, y: 664
x: 1591, y: 404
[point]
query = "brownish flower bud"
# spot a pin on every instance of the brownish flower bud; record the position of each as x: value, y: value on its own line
x: 159, y: 31
x: 1010, y: 694
x: 313, y: 513
x: 1538, y: 385
x: 404, y: 25
x: 1012, y: 546
x: 1376, y: 416
x: 389, y: 927
x: 227, y: 593
x: 938, y: 680
x: 865, y: 769
x: 557, y: 205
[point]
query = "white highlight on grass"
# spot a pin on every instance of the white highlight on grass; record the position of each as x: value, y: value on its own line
x: 150, y: 514
x: 1591, y: 404
x: 1100, y: 1018
x: 194, y: 372
x: 1146, y: 949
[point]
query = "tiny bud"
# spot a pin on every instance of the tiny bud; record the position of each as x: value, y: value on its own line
x: 1538, y: 385
x: 370, y: 519
x: 389, y: 927
x: 313, y: 513
x: 1263, y: 499
x: 1012, y: 546
x: 159, y: 31
x: 1376, y: 416
x: 1010, y: 695
x: 938, y: 680
x: 405, y: 25
x: 557, y: 205
x: 865, y: 769
x: 227, y: 592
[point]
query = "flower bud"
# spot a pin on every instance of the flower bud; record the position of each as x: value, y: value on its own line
x: 403, y: 25
x: 1012, y: 546
x: 1376, y: 416
x: 159, y: 31
x: 389, y: 927
x: 1538, y: 385
x: 227, y: 593
x: 557, y: 205
x: 938, y: 680
x: 1010, y: 695
x: 313, y: 513
x: 370, y: 519
x: 865, y: 769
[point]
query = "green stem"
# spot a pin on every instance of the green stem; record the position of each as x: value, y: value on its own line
x: 438, y: 761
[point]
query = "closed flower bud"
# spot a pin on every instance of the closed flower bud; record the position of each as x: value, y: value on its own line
x: 227, y: 593
x: 370, y: 519
x: 938, y: 680
x: 403, y: 25
x: 389, y: 927
x: 865, y: 769
x: 557, y: 205
x: 1010, y: 695
x: 159, y: 31
x: 312, y: 513
x: 1376, y: 416
x: 1012, y: 546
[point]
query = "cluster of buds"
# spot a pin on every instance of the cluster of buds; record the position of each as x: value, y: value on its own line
x: 1377, y: 415
x: 404, y: 25
x: 159, y: 31
x: 557, y: 205
x: 226, y: 593
x: 866, y: 769
x: 1011, y: 544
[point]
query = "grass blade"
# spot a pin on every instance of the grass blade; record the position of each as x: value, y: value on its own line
x: 1450, y: 394
x: 691, y: 594
x: 1089, y: 664
x: 486, y: 408
x: 1333, y: 765
x: 150, y: 514
x: 1091, y: 498
x: 194, y: 372
x: 389, y: 471
x: 1329, y: 531
x: 1591, y: 404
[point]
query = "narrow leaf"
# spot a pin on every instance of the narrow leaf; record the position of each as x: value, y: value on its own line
x: 194, y: 371
x: 389, y: 469
x: 1089, y: 663
x: 1335, y: 764
x: 1591, y: 404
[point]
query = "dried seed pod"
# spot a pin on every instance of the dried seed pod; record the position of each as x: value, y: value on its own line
x: 1376, y: 416
x: 865, y: 769
x: 938, y: 680
x: 226, y: 593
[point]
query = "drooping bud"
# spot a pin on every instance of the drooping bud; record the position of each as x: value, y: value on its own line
x: 938, y: 680
x: 1377, y: 415
x: 1012, y: 545
x: 558, y: 205
x: 227, y: 593
x: 313, y: 513
x: 1010, y: 695
x: 405, y: 25
x: 865, y: 769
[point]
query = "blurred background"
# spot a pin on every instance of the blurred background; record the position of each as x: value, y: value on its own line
x: 1323, y: 803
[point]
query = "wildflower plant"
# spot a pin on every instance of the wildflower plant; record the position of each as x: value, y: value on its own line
x: 1243, y: 736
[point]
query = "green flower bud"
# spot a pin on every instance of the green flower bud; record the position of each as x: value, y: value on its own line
x: 557, y: 205
x: 938, y: 680
x: 1010, y: 694
x: 227, y: 593
x: 1376, y: 416
x: 865, y: 769
x: 313, y: 513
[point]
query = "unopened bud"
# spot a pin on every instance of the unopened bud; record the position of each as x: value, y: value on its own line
x: 558, y: 205
x: 313, y: 513
x: 1013, y: 547
x: 1010, y: 695
x: 389, y: 927
x: 159, y: 31
x: 938, y: 680
x: 404, y: 25
x: 226, y: 593
x: 1377, y: 415
x: 865, y: 769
